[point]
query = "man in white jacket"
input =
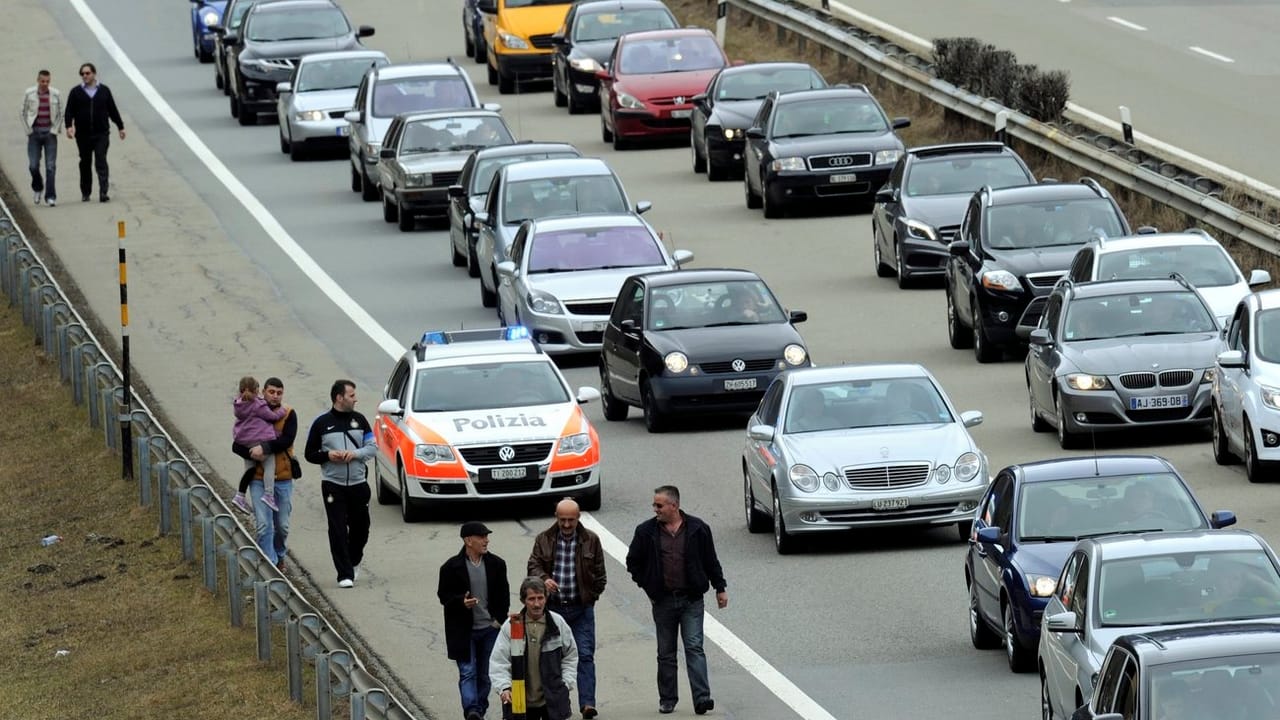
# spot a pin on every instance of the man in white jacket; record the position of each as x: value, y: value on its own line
x: 536, y: 657
x: 42, y: 119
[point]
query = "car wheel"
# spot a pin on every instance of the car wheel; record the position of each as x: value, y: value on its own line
x: 217, y: 81
x: 1221, y: 448
x: 716, y: 172
x: 297, y: 150
x: 964, y: 530
x: 390, y: 212
x: 783, y: 541
x: 699, y: 162
x: 469, y: 44
x: 956, y: 333
x: 458, y: 259
x: 1046, y: 705
x: 577, y: 104
x: 591, y: 501
x: 1253, y: 467
x: 234, y: 106
x: 980, y: 633
x: 489, y: 298
x: 1067, y: 440
x: 757, y: 522
x: 492, y: 74
x: 482, y: 51
x: 654, y: 419
x: 368, y: 191
x: 983, y: 350
x: 385, y: 496
x: 753, y: 200
x: 355, y: 179
x: 882, y: 268
x: 773, y: 207
x: 506, y: 84
x: 557, y: 93
x: 1020, y: 658
x: 614, y: 409
x: 407, y: 221
x: 605, y: 134
x: 284, y: 144
x: 619, y: 142
x: 473, y: 262
x: 1037, y: 423
x: 408, y: 510
x: 904, y: 277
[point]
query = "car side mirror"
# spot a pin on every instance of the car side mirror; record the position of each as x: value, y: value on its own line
x: 643, y: 207
x: 681, y: 257
x: 496, y: 107
x: 797, y: 316
x: 480, y: 218
x: 390, y: 406
x: 1232, y: 359
x: 958, y: 248
x: 506, y: 269
x: 699, y: 99
x: 387, y: 153
x: 886, y: 195
x: 1063, y: 622
x: 629, y: 327
x: 1222, y: 518
x: 1259, y: 277
x: 604, y: 74
x: 284, y: 87
x: 559, y: 40
x: 971, y: 418
x: 989, y: 535
x: 353, y: 116
x: 457, y: 191
x: 215, y: 29
x: 587, y: 394
x: 229, y: 39
x: 1109, y: 716
x: 761, y: 433
x: 1146, y: 230
x: 1040, y: 337
x: 364, y: 31
x: 901, y: 122
x: 755, y: 133
x: 487, y: 6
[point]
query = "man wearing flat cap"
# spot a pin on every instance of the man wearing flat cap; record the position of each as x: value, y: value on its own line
x: 476, y: 597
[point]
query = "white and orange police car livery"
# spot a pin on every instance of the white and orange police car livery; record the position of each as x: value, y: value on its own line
x: 483, y: 414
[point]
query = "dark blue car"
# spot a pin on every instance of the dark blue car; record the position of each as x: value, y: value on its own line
x: 205, y: 13
x: 1031, y: 517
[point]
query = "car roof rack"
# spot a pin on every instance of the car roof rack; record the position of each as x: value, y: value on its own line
x: 1201, y: 232
x: 985, y: 192
x: 512, y: 333
x: 1093, y: 185
x: 954, y: 148
x: 1181, y: 280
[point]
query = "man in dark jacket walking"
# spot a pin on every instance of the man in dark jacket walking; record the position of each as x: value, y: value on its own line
x: 476, y: 596
x: 673, y: 559
x: 90, y: 109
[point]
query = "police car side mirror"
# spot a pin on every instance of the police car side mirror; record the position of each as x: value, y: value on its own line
x: 587, y: 394
x: 390, y: 406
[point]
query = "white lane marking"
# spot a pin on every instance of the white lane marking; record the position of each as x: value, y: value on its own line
x: 1126, y: 23
x: 1211, y: 54
x: 871, y: 23
x: 768, y: 676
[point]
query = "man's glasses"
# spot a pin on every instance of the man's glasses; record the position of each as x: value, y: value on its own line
x: 85, y: 73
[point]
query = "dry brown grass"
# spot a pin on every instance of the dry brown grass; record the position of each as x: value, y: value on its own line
x: 753, y: 40
x: 143, y: 637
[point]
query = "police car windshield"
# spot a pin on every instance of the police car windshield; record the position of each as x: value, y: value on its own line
x: 488, y: 386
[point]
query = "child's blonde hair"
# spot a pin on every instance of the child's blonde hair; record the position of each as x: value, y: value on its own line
x: 248, y: 384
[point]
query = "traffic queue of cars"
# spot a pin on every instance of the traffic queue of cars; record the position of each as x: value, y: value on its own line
x: 1104, y: 575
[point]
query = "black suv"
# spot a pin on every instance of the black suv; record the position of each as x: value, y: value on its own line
x: 275, y: 36
x: 1013, y: 246
x: 821, y: 144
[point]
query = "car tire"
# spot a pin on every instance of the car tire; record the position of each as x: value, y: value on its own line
x: 980, y: 633
x: 1067, y: 440
x: 1021, y: 658
x: 715, y: 172
x: 1254, y: 469
x: 473, y: 262
x: 406, y: 220
x: 409, y: 511
x: 458, y: 259
x: 217, y: 81
x: 614, y: 409
x: 506, y: 84
x: 557, y: 93
x: 904, y: 277
x: 983, y: 351
x: 469, y: 44
x: 753, y: 200
x: 1038, y: 423
x: 368, y: 191
x: 390, y: 213
x: 877, y: 259
x: 1046, y: 704
x: 488, y: 298
x: 783, y: 541
x: 482, y: 51
x: 956, y: 333
x: 591, y: 501
x: 773, y: 207
x: 245, y: 116
x: 1221, y: 447
x: 757, y: 522
x: 355, y: 179
x: 234, y: 106
x: 577, y: 105
x: 605, y: 134
x: 385, y: 496
x: 284, y: 144
x: 655, y: 421
x: 699, y: 162
x: 492, y: 74
x: 620, y: 143
x: 964, y: 530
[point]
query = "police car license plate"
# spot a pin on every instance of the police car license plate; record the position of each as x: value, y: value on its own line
x: 509, y: 473
x: 741, y: 384
x: 344, y: 130
x: 678, y: 114
x: 846, y: 178
x: 890, y: 503
x: 1158, y: 402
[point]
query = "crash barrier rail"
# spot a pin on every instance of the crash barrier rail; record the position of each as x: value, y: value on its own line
x: 1121, y: 163
x: 166, y: 479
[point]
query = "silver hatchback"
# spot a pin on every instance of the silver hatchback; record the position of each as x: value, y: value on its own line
x: 312, y: 104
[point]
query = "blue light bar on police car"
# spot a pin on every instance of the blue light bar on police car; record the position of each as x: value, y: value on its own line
x: 449, y: 337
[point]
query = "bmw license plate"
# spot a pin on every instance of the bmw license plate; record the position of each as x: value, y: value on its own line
x: 505, y: 473
x: 1158, y: 402
x: 344, y: 130
x: 681, y: 114
x: 740, y: 384
x: 846, y: 178
x: 898, y: 503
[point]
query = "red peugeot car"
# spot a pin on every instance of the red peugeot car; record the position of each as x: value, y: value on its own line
x: 652, y: 76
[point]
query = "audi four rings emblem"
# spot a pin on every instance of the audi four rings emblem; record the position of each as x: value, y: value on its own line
x: 840, y: 161
x: 739, y: 365
x: 506, y: 453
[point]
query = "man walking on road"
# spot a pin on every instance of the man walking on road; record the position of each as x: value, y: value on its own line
x: 545, y: 658
x: 341, y: 442
x: 91, y: 108
x: 569, y: 560
x: 673, y: 559
x: 476, y: 596
x: 42, y: 118
x: 273, y: 525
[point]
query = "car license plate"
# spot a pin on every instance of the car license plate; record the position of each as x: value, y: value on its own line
x: 344, y: 130
x: 740, y: 384
x: 594, y: 326
x: 847, y: 178
x: 898, y: 503
x: 680, y: 114
x: 1158, y: 402
x: 509, y: 473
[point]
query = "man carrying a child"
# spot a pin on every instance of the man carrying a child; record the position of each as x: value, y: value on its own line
x: 270, y: 471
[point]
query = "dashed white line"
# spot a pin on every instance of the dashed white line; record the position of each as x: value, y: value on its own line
x: 1125, y: 23
x: 1211, y: 54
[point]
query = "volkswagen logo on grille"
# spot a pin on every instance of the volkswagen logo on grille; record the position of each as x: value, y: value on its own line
x: 506, y: 453
x: 679, y: 99
x: 840, y: 161
x: 739, y: 365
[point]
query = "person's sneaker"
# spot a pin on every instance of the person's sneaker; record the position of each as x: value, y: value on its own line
x: 346, y: 583
x: 270, y: 502
x: 104, y: 198
x: 37, y: 198
x: 51, y: 202
x: 84, y: 198
x: 666, y: 708
x: 704, y: 707
x: 473, y: 715
x: 588, y: 712
x: 239, y: 503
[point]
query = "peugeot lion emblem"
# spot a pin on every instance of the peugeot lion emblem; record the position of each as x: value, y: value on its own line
x: 840, y: 161
x: 506, y: 453
x: 739, y: 365
x: 679, y: 99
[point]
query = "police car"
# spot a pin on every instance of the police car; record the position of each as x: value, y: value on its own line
x: 470, y: 415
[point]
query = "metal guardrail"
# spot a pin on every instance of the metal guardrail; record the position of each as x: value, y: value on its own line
x: 1117, y: 162
x: 167, y: 480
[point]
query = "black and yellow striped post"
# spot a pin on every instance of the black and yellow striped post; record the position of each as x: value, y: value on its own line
x: 518, y: 666
x: 126, y: 411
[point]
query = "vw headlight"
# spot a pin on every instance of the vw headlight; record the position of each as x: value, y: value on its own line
x: 941, y: 474
x: 1270, y: 396
x: 787, y: 163
x: 804, y: 478
x: 417, y: 180
x: 629, y: 101
x: 885, y: 157
x: 1041, y: 585
x: 434, y: 453
x: 513, y: 42
x: 587, y: 65
x: 967, y: 467
x: 1209, y: 375
x: 544, y: 303
x: 310, y: 116
x: 730, y: 133
x: 676, y: 362
x: 210, y: 17
x: 917, y: 229
x: 574, y: 444
x: 795, y: 354
x: 1000, y: 280
x: 1084, y: 381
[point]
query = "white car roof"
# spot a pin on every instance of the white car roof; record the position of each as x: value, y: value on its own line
x: 1268, y: 299
x: 343, y: 55
x: 404, y: 70
x: 458, y: 357
x: 1155, y: 240
x: 576, y: 222
x: 868, y: 371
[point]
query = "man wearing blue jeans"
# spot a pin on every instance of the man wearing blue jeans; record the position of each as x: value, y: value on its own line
x: 273, y: 525
x: 42, y: 118
x: 476, y: 596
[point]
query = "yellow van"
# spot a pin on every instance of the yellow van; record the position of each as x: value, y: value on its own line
x: 519, y: 34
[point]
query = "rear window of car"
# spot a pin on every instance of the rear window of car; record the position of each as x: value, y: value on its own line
x: 611, y: 25
x: 1201, y: 265
x: 1069, y: 509
x: 963, y: 175
x: 436, y: 92
x: 487, y: 386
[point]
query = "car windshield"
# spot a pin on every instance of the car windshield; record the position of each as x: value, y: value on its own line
x: 488, y: 386
x: 486, y: 168
x: 1050, y: 224
x: 1188, y: 587
x: 611, y: 25
x: 559, y: 196
x: 1136, y: 314
x: 651, y: 57
x: 601, y: 248
x: 338, y: 74
x: 1267, y: 335
x: 714, y: 304
x: 1202, y: 688
x: 877, y: 402
x: 1201, y: 265
x: 755, y: 83
x: 299, y: 24
x: 963, y: 175
x: 438, y: 92
x: 829, y: 116
x: 453, y: 134
x: 1065, y: 510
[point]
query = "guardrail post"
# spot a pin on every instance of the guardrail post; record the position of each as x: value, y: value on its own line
x: 210, y: 550
x: 110, y: 429
x: 262, y: 618
x: 1126, y: 124
x: 357, y: 706
x: 235, y: 593
x: 324, y: 700
x: 722, y: 19
x: 144, y: 465
x: 293, y: 651
x: 165, y: 493
x: 1002, y: 127
x: 184, y: 523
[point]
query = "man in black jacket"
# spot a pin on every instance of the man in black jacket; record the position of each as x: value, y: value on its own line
x: 476, y: 596
x: 90, y: 110
x: 673, y: 559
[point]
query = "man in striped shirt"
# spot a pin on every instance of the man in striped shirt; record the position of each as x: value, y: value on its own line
x: 42, y: 118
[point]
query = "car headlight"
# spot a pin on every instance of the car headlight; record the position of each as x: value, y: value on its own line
x: 584, y: 64
x: 1209, y: 375
x: 434, y: 453
x: 1041, y: 585
x: 574, y: 444
x: 787, y: 163
x: 795, y: 354
x: 254, y: 65
x: 941, y: 474
x: 676, y: 362
x: 1084, y: 381
x: 1270, y: 396
x: 917, y: 229
x: 831, y: 481
x: 1000, y: 280
x: 417, y: 180
x: 629, y: 101
x: 884, y: 157
x: 967, y: 467
x: 730, y: 133
x: 804, y: 478
x: 371, y: 150
x: 513, y: 42
x: 210, y: 17
x: 310, y: 116
x: 543, y: 303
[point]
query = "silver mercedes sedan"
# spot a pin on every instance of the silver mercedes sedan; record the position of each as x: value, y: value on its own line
x: 859, y: 446
x: 321, y: 90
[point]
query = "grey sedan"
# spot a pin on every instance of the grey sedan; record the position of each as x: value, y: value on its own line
x: 312, y: 104
x: 859, y: 446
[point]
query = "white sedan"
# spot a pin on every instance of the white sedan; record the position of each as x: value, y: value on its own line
x: 321, y: 90
x: 1246, y: 388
